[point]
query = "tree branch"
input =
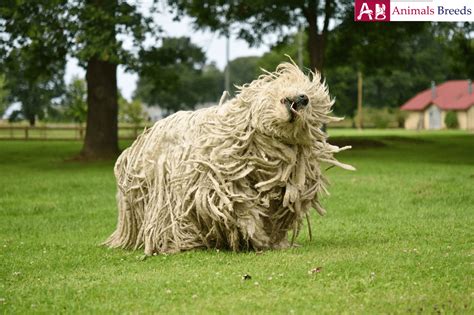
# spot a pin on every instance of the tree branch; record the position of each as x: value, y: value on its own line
x: 311, y: 14
x: 327, y: 15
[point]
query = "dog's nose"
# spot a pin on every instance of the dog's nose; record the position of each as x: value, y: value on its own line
x: 302, y: 99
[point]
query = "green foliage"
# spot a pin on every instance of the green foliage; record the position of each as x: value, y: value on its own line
x: 209, y: 84
x: 378, y: 117
x: 397, y: 239
x: 95, y: 32
x: 132, y: 112
x: 15, y: 116
x: 461, y: 49
x: 243, y: 70
x: 174, y: 76
x: 34, y: 84
x: 369, y: 47
x: 451, y: 120
x: 288, y: 46
x: 393, y: 70
x: 84, y: 29
x: 33, y: 53
x: 342, y: 82
x: 252, y: 20
x: 75, y: 101
x: 400, y: 117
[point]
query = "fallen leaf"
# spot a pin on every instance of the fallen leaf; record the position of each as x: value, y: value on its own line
x: 315, y: 270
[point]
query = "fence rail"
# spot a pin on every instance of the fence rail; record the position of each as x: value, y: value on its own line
x: 13, y: 132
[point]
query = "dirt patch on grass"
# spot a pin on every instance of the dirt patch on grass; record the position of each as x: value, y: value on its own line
x: 356, y: 142
x: 405, y: 139
x: 374, y: 142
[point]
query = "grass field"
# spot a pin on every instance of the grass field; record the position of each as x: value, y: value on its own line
x: 398, y: 238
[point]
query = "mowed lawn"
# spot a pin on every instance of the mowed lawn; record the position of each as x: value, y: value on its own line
x: 397, y: 238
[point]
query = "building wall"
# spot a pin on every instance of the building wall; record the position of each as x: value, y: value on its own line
x: 465, y: 119
x: 462, y: 119
x: 413, y: 120
x: 443, y: 116
x: 470, y: 118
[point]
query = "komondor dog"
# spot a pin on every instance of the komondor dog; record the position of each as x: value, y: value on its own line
x: 237, y: 176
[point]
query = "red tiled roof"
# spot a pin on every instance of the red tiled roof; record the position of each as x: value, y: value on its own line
x: 464, y: 102
x: 449, y: 95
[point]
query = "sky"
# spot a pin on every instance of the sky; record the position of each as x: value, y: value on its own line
x: 211, y: 43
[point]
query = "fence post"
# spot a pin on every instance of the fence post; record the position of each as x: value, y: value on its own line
x: 26, y: 133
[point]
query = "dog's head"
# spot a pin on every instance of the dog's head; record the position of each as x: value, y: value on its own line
x: 287, y: 104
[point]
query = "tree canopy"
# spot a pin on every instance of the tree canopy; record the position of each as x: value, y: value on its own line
x: 242, y: 70
x: 253, y: 19
x: 75, y: 101
x: 31, y: 82
x: 94, y: 31
x: 4, y: 93
x: 394, y: 70
x: 175, y: 76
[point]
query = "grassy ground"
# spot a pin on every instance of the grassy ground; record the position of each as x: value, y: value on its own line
x: 398, y: 238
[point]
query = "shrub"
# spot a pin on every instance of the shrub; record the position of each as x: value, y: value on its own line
x: 451, y: 120
x: 400, y: 117
x: 377, y: 117
x: 132, y: 112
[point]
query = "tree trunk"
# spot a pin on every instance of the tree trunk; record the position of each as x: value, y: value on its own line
x: 101, y: 141
x: 316, y: 38
x: 32, y: 120
x: 316, y: 47
x: 313, y: 37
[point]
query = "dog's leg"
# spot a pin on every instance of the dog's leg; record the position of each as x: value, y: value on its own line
x: 252, y: 226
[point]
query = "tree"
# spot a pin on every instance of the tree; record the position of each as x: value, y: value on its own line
x: 91, y: 30
x: 255, y: 18
x: 243, y: 70
x: 131, y: 112
x: 32, y: 83
x: 180, y: 79
x: 3, y: 95
x: 289, y: 46
x: 462, y: 49
x: 75, y: 101
x: 209, y: 84
x: 394, y: 70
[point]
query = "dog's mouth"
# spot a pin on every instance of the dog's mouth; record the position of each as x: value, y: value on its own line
x: 294, y: 105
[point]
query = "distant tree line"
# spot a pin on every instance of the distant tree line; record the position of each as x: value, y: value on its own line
x: 396, y: 59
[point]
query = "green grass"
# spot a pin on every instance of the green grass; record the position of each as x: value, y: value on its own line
x: 398, y: 238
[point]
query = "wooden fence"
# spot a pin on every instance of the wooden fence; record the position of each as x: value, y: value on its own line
x: 15, y: 132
